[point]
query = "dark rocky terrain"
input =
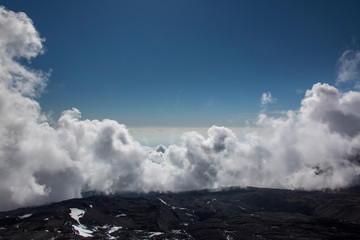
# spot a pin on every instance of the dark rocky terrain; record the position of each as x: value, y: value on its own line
x: 250, y: 213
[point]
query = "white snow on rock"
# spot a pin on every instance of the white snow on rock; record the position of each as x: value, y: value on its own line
x: 121, y: 215
x: 114, y: 229
x: 165, y: 203
x: 76, y: 214
x: 81, y: 229
x: 110, y: 229
x: 25, y: 216
x: 153, y: 234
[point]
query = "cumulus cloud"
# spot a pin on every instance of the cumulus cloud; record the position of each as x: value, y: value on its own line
x: 19, y: 39
x: 315, y: 147
x: 348, y: 67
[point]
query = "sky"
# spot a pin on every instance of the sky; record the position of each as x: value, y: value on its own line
x: 177, y: 95
x: 186, y: 63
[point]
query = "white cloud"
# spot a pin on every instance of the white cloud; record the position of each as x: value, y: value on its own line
x: 348, y: 70
x: 313, y: 148
x: 19, y: 39
x: 266, y: 98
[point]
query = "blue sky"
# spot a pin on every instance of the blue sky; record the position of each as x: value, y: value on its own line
x: 187, y: 63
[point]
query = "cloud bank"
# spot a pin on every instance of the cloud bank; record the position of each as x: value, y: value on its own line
x: 316, y: 147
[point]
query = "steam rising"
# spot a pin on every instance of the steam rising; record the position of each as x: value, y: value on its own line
x: 313, y: 148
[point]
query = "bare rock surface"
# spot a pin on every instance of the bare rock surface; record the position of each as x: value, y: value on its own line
x: 234, y: 213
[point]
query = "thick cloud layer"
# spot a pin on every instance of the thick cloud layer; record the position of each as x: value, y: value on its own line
x: 316, y: 147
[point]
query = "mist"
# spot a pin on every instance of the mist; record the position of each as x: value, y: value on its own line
x: 313, y: 147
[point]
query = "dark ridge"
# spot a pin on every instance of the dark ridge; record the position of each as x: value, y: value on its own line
x: 231, y: 213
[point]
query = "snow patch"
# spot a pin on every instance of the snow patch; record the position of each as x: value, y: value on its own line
x: 228, y: 237
x: 121, y: 215
x: 172, y: 207
x: 102, y: 227
x: 243, y: 208
x: 114, y: 229
x: 76, y: 214
x: 164, y: 202
x: 153, y: 234
x: 25, y: 216
x: 82, y: 230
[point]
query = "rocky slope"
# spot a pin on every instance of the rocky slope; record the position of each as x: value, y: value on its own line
x: 250, y: 213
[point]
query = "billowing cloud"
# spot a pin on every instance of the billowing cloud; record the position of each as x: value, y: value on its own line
x: 348, y: 67
x: 19, y: 39
x: 313, y: 148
